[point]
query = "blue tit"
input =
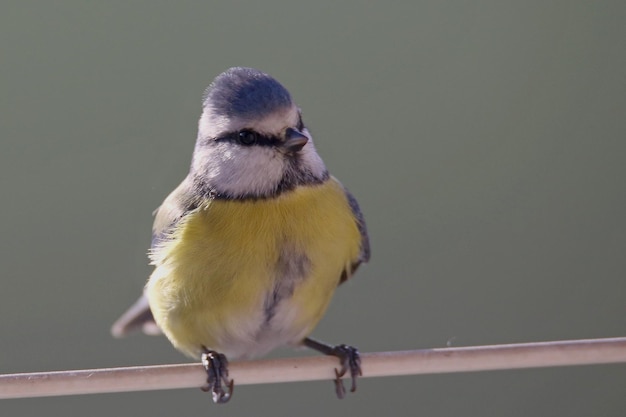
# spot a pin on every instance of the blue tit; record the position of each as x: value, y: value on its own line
x: 250, y: 247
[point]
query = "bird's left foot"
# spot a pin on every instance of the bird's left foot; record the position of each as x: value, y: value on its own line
x: 216, y: 367
x: 349, y: 359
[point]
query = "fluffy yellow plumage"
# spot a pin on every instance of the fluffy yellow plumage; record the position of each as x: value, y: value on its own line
x: 245, y: 277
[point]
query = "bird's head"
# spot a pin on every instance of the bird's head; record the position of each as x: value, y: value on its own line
x: 252, y: 142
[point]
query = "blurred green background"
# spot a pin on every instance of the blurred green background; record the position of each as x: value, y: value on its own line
x: 485, y: 141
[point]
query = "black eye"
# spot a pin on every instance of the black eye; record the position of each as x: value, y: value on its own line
x: 248, y: 137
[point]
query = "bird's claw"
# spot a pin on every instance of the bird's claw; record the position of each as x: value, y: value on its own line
x: 349, y: 359
x: 216, y: 367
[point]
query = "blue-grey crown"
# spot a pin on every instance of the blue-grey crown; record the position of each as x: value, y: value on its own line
x: 245, y: 92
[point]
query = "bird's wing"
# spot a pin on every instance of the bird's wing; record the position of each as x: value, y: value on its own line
x: 364, y: 254
x: 180, y: 202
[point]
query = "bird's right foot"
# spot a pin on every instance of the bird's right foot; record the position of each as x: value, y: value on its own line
x: 216, y: 367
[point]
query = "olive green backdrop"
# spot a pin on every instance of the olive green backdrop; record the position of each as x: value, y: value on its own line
x: 486, y: 142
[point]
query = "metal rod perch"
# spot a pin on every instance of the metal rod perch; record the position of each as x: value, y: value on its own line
x: 412, y: 362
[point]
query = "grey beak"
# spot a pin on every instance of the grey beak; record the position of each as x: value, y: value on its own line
x: 294, y: 140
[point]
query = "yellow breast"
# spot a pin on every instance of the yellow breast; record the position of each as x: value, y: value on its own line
x: 244, y: 277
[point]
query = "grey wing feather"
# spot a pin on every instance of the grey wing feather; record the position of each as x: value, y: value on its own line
x: 176, y: 205
x: 180, y: 202
x: 364, y: 254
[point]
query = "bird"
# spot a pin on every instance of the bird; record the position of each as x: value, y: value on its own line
x: 249, y: 249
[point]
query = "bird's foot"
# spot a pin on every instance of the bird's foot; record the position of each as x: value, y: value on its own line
x: 349, y: 359
x: 216, y: 367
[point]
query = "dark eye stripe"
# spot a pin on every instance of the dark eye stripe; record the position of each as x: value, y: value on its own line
x: 260, y: 140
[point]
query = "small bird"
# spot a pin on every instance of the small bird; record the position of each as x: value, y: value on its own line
x: 250, y: 247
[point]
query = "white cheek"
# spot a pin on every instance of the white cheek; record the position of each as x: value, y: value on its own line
x: 255, y: 170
